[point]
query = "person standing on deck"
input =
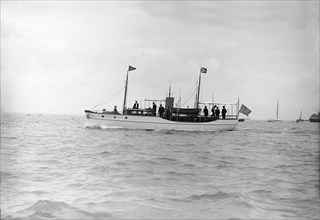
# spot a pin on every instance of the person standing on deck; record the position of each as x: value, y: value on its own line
x: 213, y: 111
x: 224, y: 112
x: 161, y: 110
x: 217, y: 112
x: 136, y: 105
x: 115, y: 110
x: 154, y: 106
x: 205, y: 110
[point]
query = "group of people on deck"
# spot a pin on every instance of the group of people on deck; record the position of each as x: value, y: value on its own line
x: 160, y: 110
x: 215, y: 112
x: 154, y: 107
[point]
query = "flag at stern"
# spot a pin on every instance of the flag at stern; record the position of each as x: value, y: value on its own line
x: 245, y: 110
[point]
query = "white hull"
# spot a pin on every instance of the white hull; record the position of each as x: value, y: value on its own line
x: 155, y: 123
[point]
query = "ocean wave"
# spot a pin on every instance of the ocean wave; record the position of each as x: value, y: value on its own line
x: 220, y: 199
x: 106, y: 153
x: 167, y: 159
x: 44, y: 209
x: 174, y: 173
x: 189, y: 165
x: 9, y: 137
x: 214, y: 197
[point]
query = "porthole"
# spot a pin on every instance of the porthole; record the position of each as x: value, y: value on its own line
x: 102, y: 116
x: 126, y: 117
x: 114, y: 117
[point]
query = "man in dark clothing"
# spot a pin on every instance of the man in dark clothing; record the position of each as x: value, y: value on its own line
x: 217, y: 112
x: 154, y: 106
x: 213, y: 111
x: 161, y: 110
x: 136, y: 105
x: 205, y: 110
x: 224, y: 112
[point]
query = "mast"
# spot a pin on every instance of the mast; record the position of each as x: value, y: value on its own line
x: 125, y: 95
x: 277, y: 108
x: 195, y: 101
x: 202, y: 70
x: 126, y: 90
x: 198, y: 94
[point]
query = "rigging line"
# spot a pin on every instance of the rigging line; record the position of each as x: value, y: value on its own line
x: 189, y: 97
x: 190, y: 94
x: 112, y: 97
x: 115, y: 94
x: 107, y: 94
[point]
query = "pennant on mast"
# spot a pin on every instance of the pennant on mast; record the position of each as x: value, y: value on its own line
x: 203, y: 70
x: 131, y: 68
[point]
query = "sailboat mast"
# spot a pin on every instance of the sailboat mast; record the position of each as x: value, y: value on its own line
x: 277, y: 108
x: 125, y: 95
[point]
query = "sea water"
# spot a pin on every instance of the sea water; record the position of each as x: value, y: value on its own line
x: 52, y: 167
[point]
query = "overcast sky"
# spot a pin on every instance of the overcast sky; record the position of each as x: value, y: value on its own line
x: 68, y: 56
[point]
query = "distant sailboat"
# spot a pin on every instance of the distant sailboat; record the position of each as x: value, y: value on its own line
x: 300, y: 118
x: 276, y: 120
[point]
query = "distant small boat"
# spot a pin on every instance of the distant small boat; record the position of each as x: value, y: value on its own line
x: 300, y: 118
x: 315, y: 118
x: 276, y: 120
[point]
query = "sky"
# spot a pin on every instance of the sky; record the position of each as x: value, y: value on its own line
x: 62, y: 57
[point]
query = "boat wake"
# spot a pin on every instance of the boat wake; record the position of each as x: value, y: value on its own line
x: 103, y: 127
x: 110, y: 127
